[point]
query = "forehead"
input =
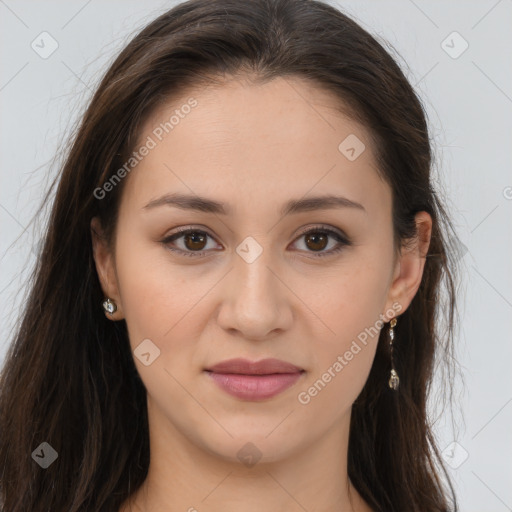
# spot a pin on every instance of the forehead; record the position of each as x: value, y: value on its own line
x: 241, y: 139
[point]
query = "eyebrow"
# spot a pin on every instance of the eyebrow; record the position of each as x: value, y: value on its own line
x: 206, y: 205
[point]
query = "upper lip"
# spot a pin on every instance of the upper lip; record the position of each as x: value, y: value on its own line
x: 247, y: 367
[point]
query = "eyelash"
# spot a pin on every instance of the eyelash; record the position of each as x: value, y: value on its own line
x: 343, y: 241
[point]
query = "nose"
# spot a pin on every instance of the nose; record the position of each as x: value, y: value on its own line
x: 255, y: 301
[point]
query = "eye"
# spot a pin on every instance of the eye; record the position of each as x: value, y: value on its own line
x: 317, y: 238
x: 194, y: 241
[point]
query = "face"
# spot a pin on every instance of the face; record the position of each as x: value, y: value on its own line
x: 254, y: 281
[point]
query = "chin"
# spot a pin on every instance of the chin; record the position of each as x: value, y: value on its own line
x: 252, y: 445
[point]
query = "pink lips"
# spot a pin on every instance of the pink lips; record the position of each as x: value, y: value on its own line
x: 254, y: 380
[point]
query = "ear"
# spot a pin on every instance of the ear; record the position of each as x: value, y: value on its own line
x: 105, y: 267
x: 410, y: 264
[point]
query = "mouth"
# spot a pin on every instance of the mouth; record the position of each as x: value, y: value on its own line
x: 254, y: 380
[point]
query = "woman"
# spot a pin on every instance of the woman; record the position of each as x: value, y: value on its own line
x: 237, y: 303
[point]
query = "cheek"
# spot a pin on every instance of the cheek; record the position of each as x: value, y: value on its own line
x: 161, y: 304
x: 343, y: 361
x: 157, y: 297
x: 351, y: 307
x: 351, y: 298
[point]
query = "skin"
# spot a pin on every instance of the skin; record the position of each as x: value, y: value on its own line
x: 254, y: 147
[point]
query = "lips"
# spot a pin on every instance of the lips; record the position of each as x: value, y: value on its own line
x: 254, y: 380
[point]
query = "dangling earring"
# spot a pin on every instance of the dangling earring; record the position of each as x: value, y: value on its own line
x: 393, y: 380
x: 109, y: 306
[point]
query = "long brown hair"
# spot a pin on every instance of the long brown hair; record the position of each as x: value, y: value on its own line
x: 69, y: 378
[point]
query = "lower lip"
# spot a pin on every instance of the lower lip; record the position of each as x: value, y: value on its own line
x: 254, y: 387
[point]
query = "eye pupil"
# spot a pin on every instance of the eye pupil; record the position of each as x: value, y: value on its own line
x: 195, y: 237
x: 315, y: 237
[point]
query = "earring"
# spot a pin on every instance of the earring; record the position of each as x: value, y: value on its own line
x: 109, y: 306
x: 393, y: 380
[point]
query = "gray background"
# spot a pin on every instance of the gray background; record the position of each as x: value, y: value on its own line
x: 469, y: 102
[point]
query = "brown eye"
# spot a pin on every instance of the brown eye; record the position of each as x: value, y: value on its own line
x: 195, y: 240
x: 316, y: 241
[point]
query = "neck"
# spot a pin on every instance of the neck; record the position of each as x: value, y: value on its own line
x: 183, y: 476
